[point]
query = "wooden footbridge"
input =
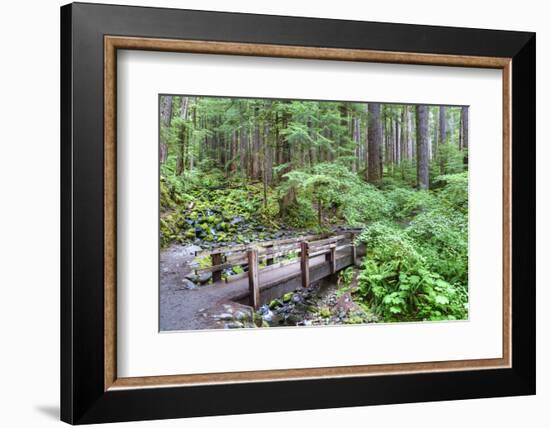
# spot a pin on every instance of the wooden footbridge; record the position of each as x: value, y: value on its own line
x: 272, y: 268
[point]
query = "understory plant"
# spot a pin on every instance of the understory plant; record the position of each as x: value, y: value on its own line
x: 397, y: 292
x: 417, y: 262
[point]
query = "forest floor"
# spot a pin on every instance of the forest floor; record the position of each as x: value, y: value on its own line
x: 175, y: 264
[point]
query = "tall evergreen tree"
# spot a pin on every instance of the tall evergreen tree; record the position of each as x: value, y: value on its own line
x: 374, y: 172
x: 422, y: 149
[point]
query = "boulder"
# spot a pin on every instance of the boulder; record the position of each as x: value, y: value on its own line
x: 202, y: 279
x: 186, y: 284
x: 225, y: 317
x: 235, y: 324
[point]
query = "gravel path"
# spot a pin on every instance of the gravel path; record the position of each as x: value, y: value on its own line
x: 174, y: 297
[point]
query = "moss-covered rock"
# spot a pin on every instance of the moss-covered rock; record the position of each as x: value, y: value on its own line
x: 166, y: 201
x: 354, y: 320
x: 275, y: 303
x: 287, y: 297
x: 324, y: 312
x: 257, y: 319
x: 165, y: 232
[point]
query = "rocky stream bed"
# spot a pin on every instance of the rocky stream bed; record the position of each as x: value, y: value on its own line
x: 315, y: 306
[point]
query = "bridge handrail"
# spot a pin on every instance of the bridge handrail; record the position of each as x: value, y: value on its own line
x: 245, y: 247
x: 268, y: 251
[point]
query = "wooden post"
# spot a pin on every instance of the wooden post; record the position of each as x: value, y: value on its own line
x: 216, y: 260
x: 304, y: 263
x: 327, y: 257
x: 253, y: 278
x: 353, y: 250
x: 269, y: 261
x: 333, y: 258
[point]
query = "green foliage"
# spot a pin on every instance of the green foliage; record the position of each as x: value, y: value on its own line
x: 407, y: 203
x: 301, y: 215
x: 237, y: 269
x: 287, y: 297
x: 388, y: 241
x: 417, y: 268
x: 364, y: 203
x: 338, y: 190
x: 345, y: 277
x: 324, y: 312
x: 454, y: 193
x: 451, y: 158
x: 399, y: 292
x: 442, y: 238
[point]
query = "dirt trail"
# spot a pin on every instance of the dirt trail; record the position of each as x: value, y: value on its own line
x: 174, y: 297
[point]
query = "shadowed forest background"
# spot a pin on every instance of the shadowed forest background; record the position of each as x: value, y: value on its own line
x: 238, y: 171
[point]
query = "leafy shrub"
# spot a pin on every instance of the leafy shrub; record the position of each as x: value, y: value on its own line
x: 418, y: 271
x: 398, y: 293
x: 337, y: 188
x: 454, y: 192
x: 345, y: 278
x: 442, y: 237
x: 406, y: 202
x: 364, y: 203
x: 451, y: 157
x: 387, y: 241
x: 301, y: 215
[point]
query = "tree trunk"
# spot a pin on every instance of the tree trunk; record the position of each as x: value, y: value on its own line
x: 442, y: 125
x: 410, y: 134
x: 356, y: 137
x: 404, y: 137
x: 422, y: 155
x: 267, y: 162
x: 191, y: 144
x: 268, y: 154
x: 383, y: 143
x: 366, y: 148
x: 182, y: 138
x: 278, y: 141
x: 391, y: 146
x: 243, y: 148
x: 233, y: 160
x: 451, y: 129
x: 310, y: 145
x: 255, y: 167
x: 374, y: 143
x: 166, y: 110
x: 442, y: 138
x: 403, y: 140
x: 286, y: 201
x: 397, y: 146
x: 166, y: 119
x: 465, y: 131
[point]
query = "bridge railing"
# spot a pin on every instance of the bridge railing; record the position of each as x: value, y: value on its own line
x: 270, y: 255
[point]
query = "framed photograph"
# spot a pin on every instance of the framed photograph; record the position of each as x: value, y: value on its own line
x: 276, y: 213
